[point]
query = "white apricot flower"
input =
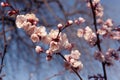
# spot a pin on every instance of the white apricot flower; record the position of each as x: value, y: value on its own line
x: 78, y: 64
x: 80, y: 32
x: 102, y: 31
x: 88, y: 35
x: 109, y: 22
x: 34, y: 38
x: 38, y: 49
x: 30, y: 30
x: 72, y: 60
x: 41, y: 31
x: 54, y: 46
x: 21, y: 21
x: 75, y: 54
x: 31, y: 17
x: 53, y: 33
x: 81, y: 20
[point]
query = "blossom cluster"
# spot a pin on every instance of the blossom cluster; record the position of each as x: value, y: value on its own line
x: 108, y: 57
x: 73, y: 60
x: 108, y: 30
x: 97, y: 7
x: 56, y: 40
x: 88, y: 35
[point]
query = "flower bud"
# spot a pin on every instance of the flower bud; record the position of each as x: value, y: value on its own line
x: 38, y: 49
x: 4, y: 4
x: 60, y: 26
x: 81, y: 20
x: 49, y: 57
x: 10, y: 13
x: 69, y: 22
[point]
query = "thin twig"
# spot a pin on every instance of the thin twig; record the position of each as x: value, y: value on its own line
x: 98, y: 39
x: 58, y: 74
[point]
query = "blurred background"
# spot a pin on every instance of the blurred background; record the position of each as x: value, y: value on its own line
x: 23, y: 63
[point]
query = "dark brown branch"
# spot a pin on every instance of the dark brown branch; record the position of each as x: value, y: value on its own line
x: 98, y: 39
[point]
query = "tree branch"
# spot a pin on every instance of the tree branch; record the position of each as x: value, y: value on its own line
x: 98, y: 39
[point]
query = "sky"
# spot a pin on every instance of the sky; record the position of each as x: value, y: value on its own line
x: 112, y: 9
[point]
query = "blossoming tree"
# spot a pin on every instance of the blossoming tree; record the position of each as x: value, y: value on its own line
x: 54, y: 42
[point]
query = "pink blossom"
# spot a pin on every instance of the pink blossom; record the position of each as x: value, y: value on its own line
x: 80, y: 32
x: 99, y: 56
x: 49, y: 57
x: 109, y: 22
x: 60, y: 26
x: 102, y: 31
x: 40, y: 31
x: 32, y: 17
x: 53, y: 33
x: 70, y: 22
x: 30, y: 30
x: 75, y: 54
x: 115, y: 35
x: 72, y: 60
x: 20, y: 21
x: 78, y: 64
x: 81, y: 20
x: 34, y: 38
x: 54, y: 46
x: 38, y: 49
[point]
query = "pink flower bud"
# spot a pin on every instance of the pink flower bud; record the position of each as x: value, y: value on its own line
x: 69, y: 22
x: 76, y: 22
x: 109, y: 22
x: 4, y: 4
x: 49, y: 52
x: 60, y: 26
x: 38, y: 49
x: 81, y: 20
x: 49, y: 57
x: 10, y: 13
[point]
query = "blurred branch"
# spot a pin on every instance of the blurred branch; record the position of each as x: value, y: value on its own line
x: 5, y: 44
x: 9, y: 29
x: 58, y: 74
x: 9, y: 19
x: 52, y: 12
